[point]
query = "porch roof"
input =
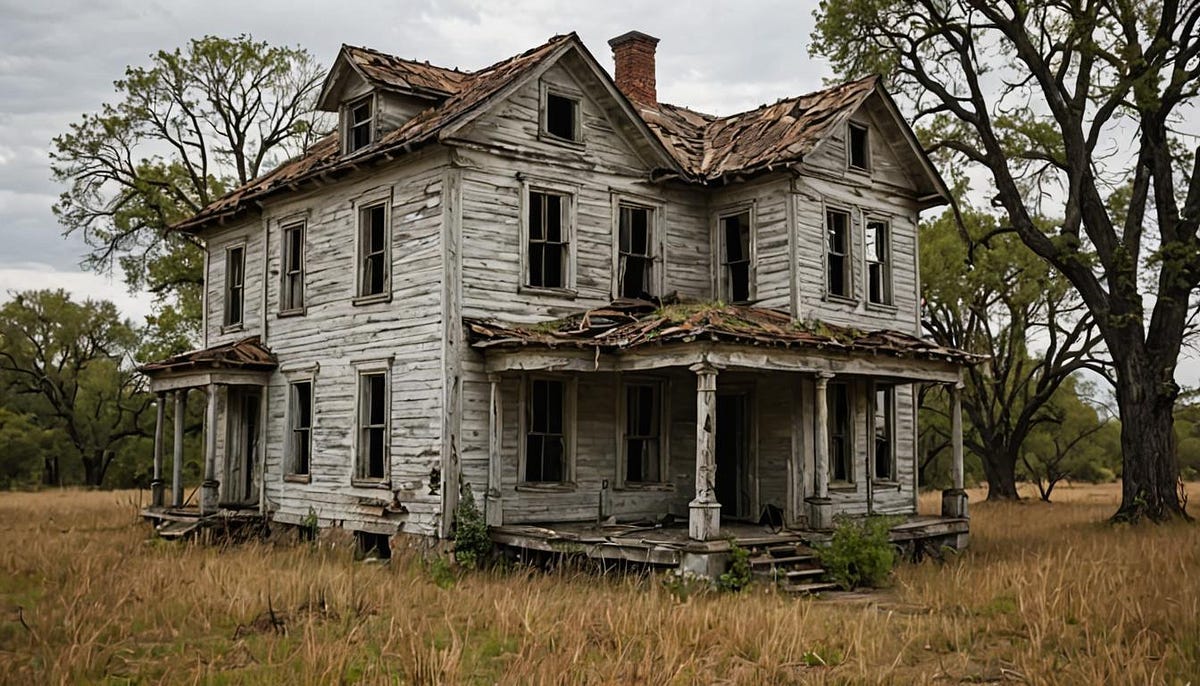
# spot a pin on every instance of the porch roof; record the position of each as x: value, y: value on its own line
x: 247, y: 354
x: 637, y: 324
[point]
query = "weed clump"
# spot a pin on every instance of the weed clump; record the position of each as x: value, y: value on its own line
x: 472, y: 543
x: 860, y: 553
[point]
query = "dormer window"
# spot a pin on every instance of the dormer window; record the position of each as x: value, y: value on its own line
x: 360, y: 124
x: 560, y: 115
x: 859, y: 148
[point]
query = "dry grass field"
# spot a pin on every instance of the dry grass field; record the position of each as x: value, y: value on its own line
x: 1047, y: 594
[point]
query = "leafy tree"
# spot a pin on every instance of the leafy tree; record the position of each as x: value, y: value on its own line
x: 1069, y: 105
x: 69, y: 366
x: 988, y: 294
x: 1072, y: 446
x: 27, y: 450
x: 193, y: 124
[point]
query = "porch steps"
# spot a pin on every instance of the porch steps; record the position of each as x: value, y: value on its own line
x: 794, y: 567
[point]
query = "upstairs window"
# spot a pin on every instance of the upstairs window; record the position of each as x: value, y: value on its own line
x: 885, y: 434
x: 549, y: 247
x: 837, y: 250
x: 635, y: 252
x: 879, y: 273
x: 373, y: 262
x: 643, y: 433
x: 562, y: 116
x: 859, y: 147
x: 291, y: 293
x: 360, y: 124
x: 300, y: 411
x: 545, y: 431
x: 371, y: 460
x: 235, y: 285
x: 735, y: 240
x: 840, y: 445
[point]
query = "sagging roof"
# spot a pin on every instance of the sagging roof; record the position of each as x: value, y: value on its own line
x: 398, y: 74
x: 248, y: 354
x: 628, y: 325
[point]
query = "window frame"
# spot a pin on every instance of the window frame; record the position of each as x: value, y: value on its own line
x: 722, y: 283
x: 348, y: 123
x: 227, y: 321
x: 663, y: 389
x: 656, y: 282
x: 359, y: 467
x: 286, y: 306
x: 290, y: 472
x: 570, y: 388
x: 571, y: 194
x: 850, y: 296
x: 576, y: 97
x: 888, y: 287
x: 361, y: 206
x: 889, y: 417
x: 849, y: 438
x: 851, y: 128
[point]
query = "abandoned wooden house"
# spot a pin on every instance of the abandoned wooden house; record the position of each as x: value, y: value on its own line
x: 604, y: 313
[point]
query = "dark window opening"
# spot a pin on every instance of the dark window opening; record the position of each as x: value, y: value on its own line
x: 735, y: 237
x: 837, y: 247
x: 360, y: 125
x: 549, y: 244
x: 374, y: 265
x: 293, y: 267
x: 635, y: 249
x: 545, y: 437
x: 884, y: 434
x: 561, y: 115
x: 371, y: 545
x: 235, y: 285
x: 302, y: 413
x: 879, y: 282
x: 839, y: 432
x: 372, y: 452
x: 860, y: 157
x: 643, y: 413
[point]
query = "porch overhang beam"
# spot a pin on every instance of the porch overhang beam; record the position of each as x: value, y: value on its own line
x: 202, y: 379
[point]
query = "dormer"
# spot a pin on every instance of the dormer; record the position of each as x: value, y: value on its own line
x: 374, y: 94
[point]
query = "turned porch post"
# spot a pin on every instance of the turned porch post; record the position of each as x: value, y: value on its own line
x: 494, y: 502
x: 177, y: 449
x: 210, y: 487
x: 156, y: 485
x: 704, y: 512
x: 954, y: 499
x: 820, y: 507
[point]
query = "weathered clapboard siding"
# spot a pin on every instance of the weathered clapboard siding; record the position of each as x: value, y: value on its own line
x: 766, y: 198
x: 247, y: 234
x: 688, y: 256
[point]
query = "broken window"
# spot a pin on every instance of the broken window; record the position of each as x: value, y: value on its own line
x: 235, y: 285
x: 562, y: 116
x: 373, y: 244
x: 837, y: 249
x: 643, y: 440
x: 360, y: 127
x: 545, y: 437
x: 300, y: 409
x: 372, y: 422
x: 636, y: 253
x: 838, y: 398
x: 879, y: 278
x: 735, y: 257
x: 549, y: 239
x: 884, y: 434
x: 292, y: 290
x: 860, y: 152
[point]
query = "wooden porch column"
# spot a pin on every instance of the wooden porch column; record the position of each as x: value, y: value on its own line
x: 209, y: 489
x: 156, y: 484
x: 954, y: 499
x: 820, y: 507
x: 494, y: 507
x: 704, y: 512
x: 177, y: 448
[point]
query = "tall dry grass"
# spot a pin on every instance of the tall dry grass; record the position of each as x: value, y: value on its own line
x: 1047, y: 594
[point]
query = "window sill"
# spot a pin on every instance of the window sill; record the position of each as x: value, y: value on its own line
x: 569, y: 293
x: 840, y: 299
x: 233, y: 328
x: 381, y: 484
x: 646, y: 486
x: 882, y: 307
x: 551, y: 139
x: 843, y: 487
x: 373, y: 299
x: 294, y: 312
x: 298, y: 478
x: 885, y: 483
x: 547, y: 487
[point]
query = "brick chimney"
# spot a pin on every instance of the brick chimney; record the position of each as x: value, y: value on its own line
x: 633, y: 54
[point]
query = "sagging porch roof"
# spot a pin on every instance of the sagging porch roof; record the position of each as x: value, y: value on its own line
x: 637, y: 324
x: 247, y: 354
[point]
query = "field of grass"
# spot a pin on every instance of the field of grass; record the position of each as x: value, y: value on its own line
x: 1047, y: 594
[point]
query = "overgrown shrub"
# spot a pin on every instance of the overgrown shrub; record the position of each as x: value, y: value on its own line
x: 472, y: 543
x: 737, y: 576
x: 860, y: 553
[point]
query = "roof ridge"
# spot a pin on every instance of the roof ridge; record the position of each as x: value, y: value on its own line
x: 423, y: 63
x: 513, y: 58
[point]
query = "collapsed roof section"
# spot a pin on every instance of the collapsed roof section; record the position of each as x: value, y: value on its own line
x: 247, y: 354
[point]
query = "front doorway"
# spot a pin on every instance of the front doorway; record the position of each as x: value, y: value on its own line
x: 733, y: 447
x: 242, y: 446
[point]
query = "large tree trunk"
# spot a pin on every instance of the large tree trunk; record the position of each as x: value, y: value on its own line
x: 1000, y: 468
x: 94, y: 468
x: 1150, y: 480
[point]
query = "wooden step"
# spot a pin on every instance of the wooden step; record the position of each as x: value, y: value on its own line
x: 809, y: 588
x: 801, y: 573
x: 775, y: 561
